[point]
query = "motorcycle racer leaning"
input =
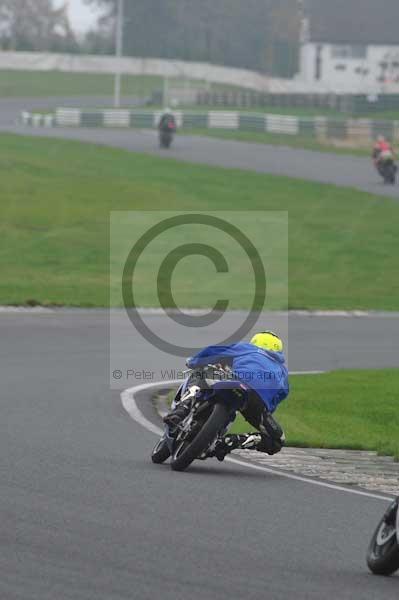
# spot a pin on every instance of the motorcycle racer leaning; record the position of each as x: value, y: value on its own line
x: 381, y: 150
x: 261, y: 366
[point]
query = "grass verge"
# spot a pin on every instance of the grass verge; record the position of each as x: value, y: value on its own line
x: 275, y: 139
x: 19, y: 84
x: 344, y: 409
x: 56, y: 197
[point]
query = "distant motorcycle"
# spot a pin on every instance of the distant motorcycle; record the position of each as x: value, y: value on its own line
x: 167, y: 130
x: 214, y: 399
x: 383, y: 551
x: 387, y: 168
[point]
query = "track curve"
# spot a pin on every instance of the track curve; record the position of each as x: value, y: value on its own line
x: 337, y: 169
x: 85, y: 514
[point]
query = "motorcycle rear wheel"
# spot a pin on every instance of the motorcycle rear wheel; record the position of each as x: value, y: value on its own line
x: 383, y: 552
x: 165, y: 140
x: 186, y: 452
x: 390, y: 178
x: 389, y: 173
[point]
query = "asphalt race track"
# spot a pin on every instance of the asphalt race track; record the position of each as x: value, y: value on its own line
x: 337, y: 169
x: 84, y: 513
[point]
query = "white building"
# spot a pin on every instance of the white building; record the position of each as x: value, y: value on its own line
x: 351, y: 44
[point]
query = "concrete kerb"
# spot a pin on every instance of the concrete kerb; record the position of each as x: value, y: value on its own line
x: 363, y: 469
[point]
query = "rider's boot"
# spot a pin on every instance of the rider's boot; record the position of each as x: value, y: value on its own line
x: 247, y: 441
x: 269, y: 440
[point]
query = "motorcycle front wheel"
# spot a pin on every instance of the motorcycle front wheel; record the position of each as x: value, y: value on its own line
x: 383, y: 552
x: 160, y: 452
x: 187, y: 451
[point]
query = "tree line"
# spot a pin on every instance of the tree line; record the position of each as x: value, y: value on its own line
x: 35, y: 25
x: 255, y: 34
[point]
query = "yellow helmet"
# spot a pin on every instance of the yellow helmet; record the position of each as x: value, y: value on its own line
x: 267, y: 340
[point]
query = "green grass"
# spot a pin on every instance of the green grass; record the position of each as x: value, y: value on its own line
x: 56, y: 197
x: 20, y: 84
x: 387, y: 115
x: 55, y: 83
x: 291, y: 141
x: 343, y: 409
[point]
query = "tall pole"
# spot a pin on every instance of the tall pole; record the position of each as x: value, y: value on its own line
x: 118, y: 52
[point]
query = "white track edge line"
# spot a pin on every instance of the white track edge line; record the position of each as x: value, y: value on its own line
x: 130, y: 406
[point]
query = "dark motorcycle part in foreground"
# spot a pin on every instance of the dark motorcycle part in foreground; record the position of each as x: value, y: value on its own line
x: 383, y: 552
x: 160, y: 452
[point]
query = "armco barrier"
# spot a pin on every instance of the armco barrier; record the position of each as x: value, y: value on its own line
x: 120, y: 118
x: 254, y: 122
x: 358, y: 132
x: 223, y: 120
x: 38, y: 120
x: 282, y: 124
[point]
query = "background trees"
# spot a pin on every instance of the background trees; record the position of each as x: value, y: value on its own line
x: 35, y: 25
x: 257, y: 34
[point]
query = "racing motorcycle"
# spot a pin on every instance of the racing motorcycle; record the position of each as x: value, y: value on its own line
x: 387, y: 168
x: 383, y: 551
x: 166, y: 134
x: 213, y: 398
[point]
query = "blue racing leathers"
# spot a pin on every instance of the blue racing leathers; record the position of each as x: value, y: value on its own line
x: 263, y: 371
